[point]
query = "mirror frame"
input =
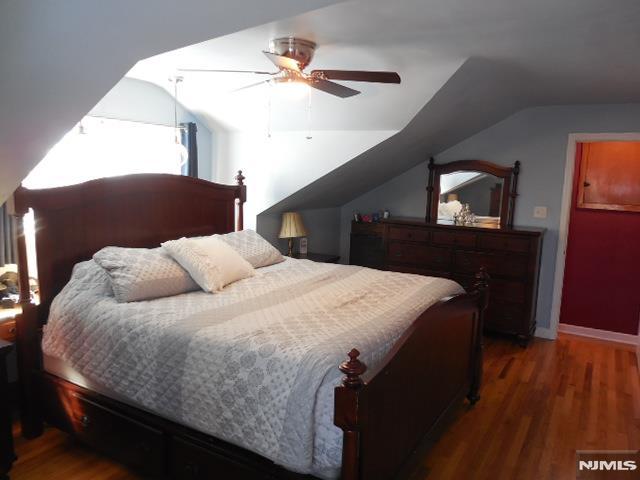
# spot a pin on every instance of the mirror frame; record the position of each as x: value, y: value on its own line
x: 509, y: 191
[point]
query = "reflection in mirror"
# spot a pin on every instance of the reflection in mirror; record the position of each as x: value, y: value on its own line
x: 470, y: 198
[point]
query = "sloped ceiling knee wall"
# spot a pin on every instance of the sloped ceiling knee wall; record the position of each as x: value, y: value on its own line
x: 479, y: 94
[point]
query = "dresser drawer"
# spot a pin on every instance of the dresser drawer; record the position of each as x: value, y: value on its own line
x: 506, y: 317
x: 503, y: 265
x: 409, y: 234
x: 499, y: 289
x: 460, y: 239
x: 509, y: 243
x: 420, y: 255
x: 367, y: 228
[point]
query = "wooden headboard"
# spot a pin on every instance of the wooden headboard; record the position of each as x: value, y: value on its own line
x: 72, y: 223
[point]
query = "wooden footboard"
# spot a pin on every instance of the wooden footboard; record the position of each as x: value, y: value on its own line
x: 384, y: 413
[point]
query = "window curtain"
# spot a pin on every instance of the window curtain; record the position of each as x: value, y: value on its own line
x: 188, y: 137
x: 8, y: 237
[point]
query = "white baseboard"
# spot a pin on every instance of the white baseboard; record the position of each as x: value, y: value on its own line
x: 599, y: 334
x: 543, y: 332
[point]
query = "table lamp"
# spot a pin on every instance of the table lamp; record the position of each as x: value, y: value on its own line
x: 292, y: 227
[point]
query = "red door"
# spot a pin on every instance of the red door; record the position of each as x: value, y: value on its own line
x: 602, y: 270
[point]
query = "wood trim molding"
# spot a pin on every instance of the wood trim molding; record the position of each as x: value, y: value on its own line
x: 543, y: 332
x: 599, y: 334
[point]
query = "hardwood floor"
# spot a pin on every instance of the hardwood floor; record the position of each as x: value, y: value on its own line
x: 538, y: 406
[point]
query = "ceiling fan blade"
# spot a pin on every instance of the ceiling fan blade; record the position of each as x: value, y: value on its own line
x: 331, y: 87
x: 206, y: 70
x: 357, y: 76
x: 250, y: 86
x: 283, y: 62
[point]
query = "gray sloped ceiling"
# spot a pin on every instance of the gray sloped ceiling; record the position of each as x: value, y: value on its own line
x: 479, y: 94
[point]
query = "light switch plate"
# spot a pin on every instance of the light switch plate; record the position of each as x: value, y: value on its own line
x: 539, y: 212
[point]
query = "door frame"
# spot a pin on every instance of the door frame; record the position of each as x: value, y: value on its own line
x: 565, y: 212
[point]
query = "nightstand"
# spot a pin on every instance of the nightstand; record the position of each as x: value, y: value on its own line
x: 318, y: 257
x: 8, y: 323
x: 7, y: 455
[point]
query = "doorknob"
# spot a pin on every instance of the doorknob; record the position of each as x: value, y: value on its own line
x: 586, y: 184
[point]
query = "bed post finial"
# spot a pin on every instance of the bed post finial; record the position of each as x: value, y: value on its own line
x: 242, y: 197
x: 240, y: 178
x: 352, y: 369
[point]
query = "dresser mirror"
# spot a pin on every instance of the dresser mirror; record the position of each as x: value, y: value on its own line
x: 472, y: 193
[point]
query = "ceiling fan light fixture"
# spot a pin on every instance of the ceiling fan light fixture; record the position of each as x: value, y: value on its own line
x: 289, y: 88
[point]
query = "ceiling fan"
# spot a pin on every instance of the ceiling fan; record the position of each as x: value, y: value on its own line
x: 292, y: 55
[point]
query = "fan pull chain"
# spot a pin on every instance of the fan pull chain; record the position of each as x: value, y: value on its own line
x: 309, y: 137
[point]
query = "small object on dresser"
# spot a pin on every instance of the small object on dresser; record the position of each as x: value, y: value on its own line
x: 7, y: 455
x: 357, y: 217
x: 366, y: 218
x: 303, y: 245
x: 375, y: 217
x: 386, y: 214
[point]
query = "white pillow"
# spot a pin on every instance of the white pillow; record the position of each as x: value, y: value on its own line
x: 211, y: 262
x: 142, y: 273
x: 253, y: 248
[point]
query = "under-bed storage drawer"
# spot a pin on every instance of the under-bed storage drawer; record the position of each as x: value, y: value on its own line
x: 116, y: 435
x: 189, y: 461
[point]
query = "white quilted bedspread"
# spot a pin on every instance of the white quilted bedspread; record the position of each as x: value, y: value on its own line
x: 255, y: 364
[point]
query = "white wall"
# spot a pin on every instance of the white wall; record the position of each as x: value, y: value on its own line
x: 278, y: 166
x: 535, y: 136
x: 140, y: 101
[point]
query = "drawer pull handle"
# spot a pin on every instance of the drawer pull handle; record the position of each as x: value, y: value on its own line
x: 85, y: 421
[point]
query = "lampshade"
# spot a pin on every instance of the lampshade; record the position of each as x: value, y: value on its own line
x: 292, y: 226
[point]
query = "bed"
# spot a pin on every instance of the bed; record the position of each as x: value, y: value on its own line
x: 158, y: 385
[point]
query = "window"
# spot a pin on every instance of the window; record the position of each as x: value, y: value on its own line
x: 101, y: 147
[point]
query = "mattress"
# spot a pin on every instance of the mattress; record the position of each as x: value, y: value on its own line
x: 254, y: 365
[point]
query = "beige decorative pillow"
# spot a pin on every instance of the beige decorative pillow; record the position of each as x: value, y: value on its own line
x: 211, y: 262
x: 143, y: 274
x: 253, y: 248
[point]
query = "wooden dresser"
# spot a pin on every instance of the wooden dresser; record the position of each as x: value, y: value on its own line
x: 511, y: 257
